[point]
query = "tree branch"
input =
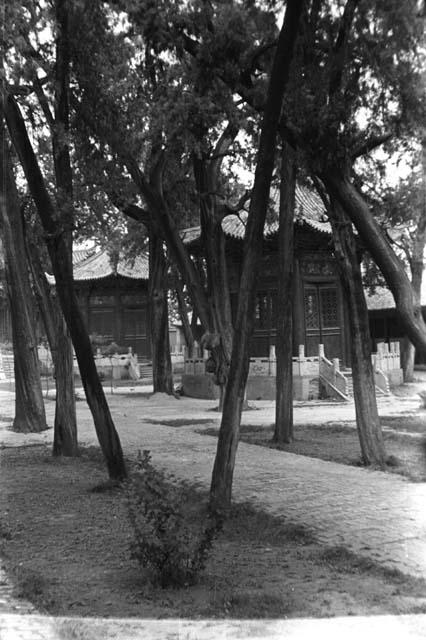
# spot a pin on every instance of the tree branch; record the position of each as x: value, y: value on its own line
x: 340, y: 49
x: 131, y: 210
x: 43, y: 101
x: 222, y: 147
x: 366, y: 146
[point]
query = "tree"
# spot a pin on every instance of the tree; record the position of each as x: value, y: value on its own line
x: 401, y: 210
x: 283, y: 431
x: 150, y: 153
x: 356, y: 76
x: 159, y: 317
x: 29, y: 406
x: 367, y: 417
x: 221, y: 485
x: 65, y: 424
x: 56, y: 219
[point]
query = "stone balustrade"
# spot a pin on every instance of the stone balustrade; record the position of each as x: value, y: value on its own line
x: 307, y: 370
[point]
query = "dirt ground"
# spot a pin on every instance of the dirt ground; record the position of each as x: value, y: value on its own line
x: 67, y: 549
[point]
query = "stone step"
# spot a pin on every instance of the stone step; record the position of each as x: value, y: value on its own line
x: 348, y: 375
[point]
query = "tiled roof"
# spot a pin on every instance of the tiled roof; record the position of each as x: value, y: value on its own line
x: 190, y: 234
x: 310, y: 211
x: 100, y: 265
x: 79, y: 255
x: 97, y: 265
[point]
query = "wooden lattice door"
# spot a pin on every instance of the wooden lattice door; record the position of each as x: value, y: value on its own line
x: 322, y: 320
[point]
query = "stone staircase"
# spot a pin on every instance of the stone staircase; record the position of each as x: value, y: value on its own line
x: 145, y: 369
x: 350, y: 385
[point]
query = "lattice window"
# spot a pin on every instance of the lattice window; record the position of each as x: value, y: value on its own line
x: 329, y: 308
x: 311, y: 309
x: 263, y: 304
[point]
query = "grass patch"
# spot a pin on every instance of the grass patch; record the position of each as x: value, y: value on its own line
x: 68, y: 551
x: 338, y: 442
x: 343, y: 560
x: 33, y: 587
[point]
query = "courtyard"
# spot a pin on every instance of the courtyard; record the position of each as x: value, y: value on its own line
x: 308, y: 538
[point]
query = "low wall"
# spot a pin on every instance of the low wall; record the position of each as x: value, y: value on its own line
x: 259, y: 387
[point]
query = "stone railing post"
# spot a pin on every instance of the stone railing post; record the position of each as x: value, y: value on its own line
x: 272, y: 361
x: 321, y: 352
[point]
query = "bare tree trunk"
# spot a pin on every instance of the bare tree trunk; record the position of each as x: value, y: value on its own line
x: 159, y: 317
x: 62, y: 269
x: 223, y: 470
x: 29, y: 406
x: 65, y: 427
x: 183, y: 313
x: 417, y: 267
x: 65, y: 430
x: 367, y: 417
x: 284, y: 343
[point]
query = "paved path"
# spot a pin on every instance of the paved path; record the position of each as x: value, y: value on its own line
x: 376, y: 515
x: 380, y: 516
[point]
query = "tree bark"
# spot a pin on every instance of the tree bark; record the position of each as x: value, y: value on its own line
x: 367, y: 417
x: 183, y: 313
x: 65, y: 429
x: 62, y: 269
x: 346, y: 195
x: 159, y: 317
x: 223, y: 470
x: 284, y: 342
x: 65, y: 426
x: 417, y: 267
x: 218, y: 337
x: 29, y: 406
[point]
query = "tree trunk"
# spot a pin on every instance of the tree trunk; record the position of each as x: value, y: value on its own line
x: 65, y: 426
x: 344, y: 193
x: 408, y: 352
x: 65, y: 431
x: 367, y: 417
x: 29, y: 406
x: 284, y: 342
x: 223, y: 470
x: 183, y: 313
x: 159, y: 317
x: 62, y: 269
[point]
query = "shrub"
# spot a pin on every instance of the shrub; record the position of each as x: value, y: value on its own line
x: 169, y: 540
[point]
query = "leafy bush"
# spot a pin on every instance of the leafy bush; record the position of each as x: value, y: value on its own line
x: 169, y: 540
